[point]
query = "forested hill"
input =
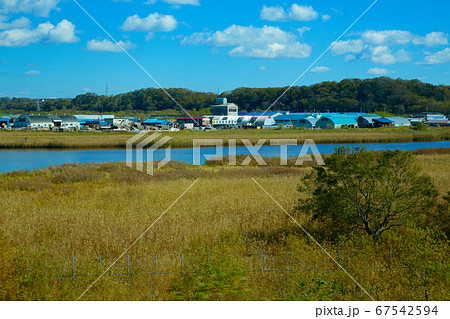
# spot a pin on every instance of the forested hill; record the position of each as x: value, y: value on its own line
x: 352, y: 95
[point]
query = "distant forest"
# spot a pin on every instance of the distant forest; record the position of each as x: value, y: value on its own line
x: 352, y: 95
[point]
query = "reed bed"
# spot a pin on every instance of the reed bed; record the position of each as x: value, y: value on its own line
x: 183, y: 139
x: 100, y: 209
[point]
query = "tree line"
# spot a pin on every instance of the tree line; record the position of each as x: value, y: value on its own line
x: 350, y: 95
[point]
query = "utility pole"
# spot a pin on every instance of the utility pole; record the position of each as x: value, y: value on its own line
x: 38, y: 107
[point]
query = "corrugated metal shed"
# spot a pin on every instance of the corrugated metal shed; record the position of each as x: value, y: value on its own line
x: 336, y: 122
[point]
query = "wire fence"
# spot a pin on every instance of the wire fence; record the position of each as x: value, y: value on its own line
x: 162, y: 264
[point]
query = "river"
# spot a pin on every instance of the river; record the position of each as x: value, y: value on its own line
x: 11, y: 160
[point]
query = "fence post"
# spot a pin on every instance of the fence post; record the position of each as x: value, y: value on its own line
x: 262, y: 263
x: 100, y: 263
x: 73, y: 269
x: 156, y: 265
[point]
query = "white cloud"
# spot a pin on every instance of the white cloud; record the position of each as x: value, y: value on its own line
x: 302, y: 13
x: 40, y: 8
x: 22, y: 22
x: 440, y: 57
x: 349, y: 58
x: 295, y: 12
x: 320, y: 69
x: 379, y: 71
x: 302, y: 30
x: 432, y: 39
x: 273, y: 14
x: 265, y: 42
x: 63, y: 32
x: 108, y: 46
x: 402, y: 56
x: 326, y: 17
x: 382, y: 55
x: 262, y: 68
x: 32, y: 72
x: 349, y: 46
x: 388, y: 37
x: 155, y: 22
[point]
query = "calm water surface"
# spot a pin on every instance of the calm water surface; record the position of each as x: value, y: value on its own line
x: 11, y: 160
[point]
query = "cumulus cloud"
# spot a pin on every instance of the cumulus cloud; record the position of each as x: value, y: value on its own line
x: 39, y: 8
x: 155, y: 22
x: 273, y: 14
x: 432, y: 39
x: 302, y: 13
x: 388, y: 37
x: 109, y: 46
x: 379, y: 46
x: 63, y: 32
x: 320, y: 69
x: 379, y: 71
x: 440, y: 57
x: 32, y: 72
x: 382, y: 55
x: 266, y: 42
x: 295, y: 12
x: 349, y: 46
x: 22, y: 22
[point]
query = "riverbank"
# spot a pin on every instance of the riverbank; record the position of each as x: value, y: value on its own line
x: 183, y: 139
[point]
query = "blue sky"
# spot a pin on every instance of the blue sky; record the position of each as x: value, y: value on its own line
x: 51, y: 48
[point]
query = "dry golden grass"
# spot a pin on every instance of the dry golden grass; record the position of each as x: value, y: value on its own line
x: 92, y: 140
x: 91, y: 210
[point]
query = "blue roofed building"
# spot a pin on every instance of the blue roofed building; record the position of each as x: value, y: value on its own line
x: 336, y: 122
x: 391, y: 122
x: 4, y: 122
x: 366, y: 121
x: 305, y: 120
x: 157, y: 124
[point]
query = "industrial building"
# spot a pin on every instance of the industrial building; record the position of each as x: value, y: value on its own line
x: 223, y: 108
x: 157, y: 124
x: 4, y: 122
x: 336, y: 122
x: 366, y: 121
x: 190, y: 123
x: 47, y: 122
x: 391, y: 122
x: 305, y: 120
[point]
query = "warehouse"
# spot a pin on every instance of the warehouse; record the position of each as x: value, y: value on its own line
x: 336, y: 122
x: 305, y: 120
x: 366, y: 121
x: 189, y: 123
x: 158, y: 124
x: 4, y: 122
x: 392, y: 122
x: 69, y: 122
x: 35, y: 122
